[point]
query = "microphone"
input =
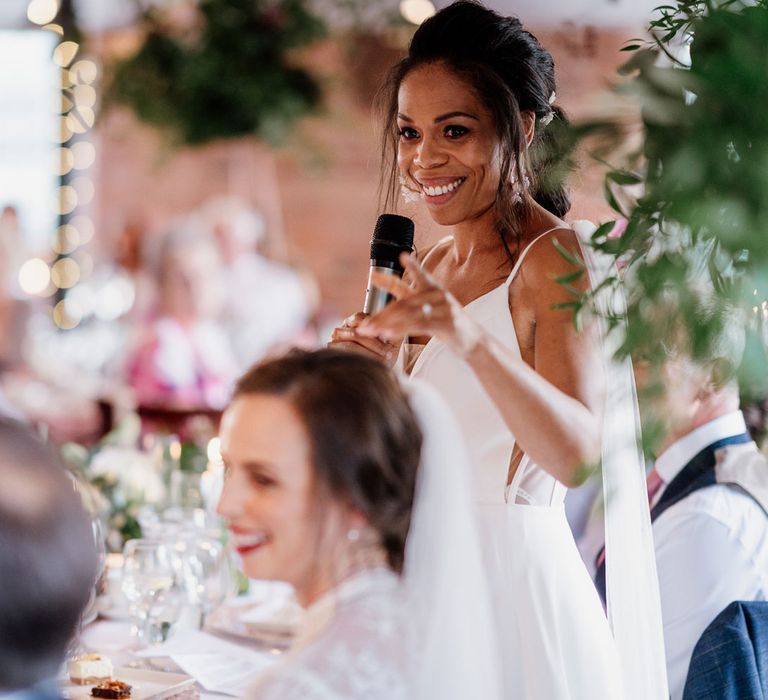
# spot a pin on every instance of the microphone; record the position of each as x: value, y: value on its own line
x: 393, y: 235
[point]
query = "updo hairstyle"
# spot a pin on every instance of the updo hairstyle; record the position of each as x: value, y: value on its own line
x: 511, y: 72
x: 364, y: 438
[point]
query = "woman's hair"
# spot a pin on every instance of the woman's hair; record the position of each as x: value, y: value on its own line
x: 364, y: 438
x: 510, y: 72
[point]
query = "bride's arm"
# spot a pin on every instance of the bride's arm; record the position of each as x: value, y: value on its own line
x: 552, y: 407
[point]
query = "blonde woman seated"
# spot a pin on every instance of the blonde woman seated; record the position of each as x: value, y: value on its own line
x: 354, y: 491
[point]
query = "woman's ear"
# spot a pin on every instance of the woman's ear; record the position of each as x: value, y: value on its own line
x: 529, y: 125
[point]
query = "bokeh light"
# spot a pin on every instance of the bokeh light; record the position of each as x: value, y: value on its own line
x: 66, y: 240
x: 416, y: 11
x: 65, y: 273
x: 67, y: 314
x: 84, y: 188
x: 84, y: 226
x: 65, y: 161
x: 34, y: 276
x: 85, y: 263
x: 64, y: 132
x: 83, y: 72
x: 65, y: 53
x: 42, y: 11
x: 84, y: 155
x: 67, y: 200
x: 85, y: 95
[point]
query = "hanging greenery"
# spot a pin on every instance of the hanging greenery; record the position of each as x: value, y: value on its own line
x: 221, y: 69
x: 694, y: 197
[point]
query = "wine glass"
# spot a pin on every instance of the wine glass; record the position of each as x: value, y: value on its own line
x: 90, y: 610
x: 206, y: 573
x: 147, y: 572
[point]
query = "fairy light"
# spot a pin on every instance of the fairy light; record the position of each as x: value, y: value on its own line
x: 416, y: 11
x: 77, y: 105
x: 42, y: 12
x: 83, y: 155
x: 65, y: 53
x: 65, y: 273
x: 84, y: 226
x: 34, y: 276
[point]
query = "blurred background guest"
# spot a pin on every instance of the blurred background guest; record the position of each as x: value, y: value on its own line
x: 266, y: 304
x: 183, y: 358
x: 47, y: 564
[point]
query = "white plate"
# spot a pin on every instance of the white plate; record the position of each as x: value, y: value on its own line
x: 277, y: 632
x: 145, y: 684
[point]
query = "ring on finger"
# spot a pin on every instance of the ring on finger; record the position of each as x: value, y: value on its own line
x: 426, y: 309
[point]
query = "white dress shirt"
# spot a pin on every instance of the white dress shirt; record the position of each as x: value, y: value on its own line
x: 711, y: 549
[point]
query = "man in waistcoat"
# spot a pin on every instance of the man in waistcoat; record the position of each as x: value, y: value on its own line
x: 708, y: 495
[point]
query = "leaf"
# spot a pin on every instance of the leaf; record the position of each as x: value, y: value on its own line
x: 569, y: 278
x: 566, y: 254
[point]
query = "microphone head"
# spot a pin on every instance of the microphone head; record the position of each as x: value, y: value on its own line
x: 393, y: 235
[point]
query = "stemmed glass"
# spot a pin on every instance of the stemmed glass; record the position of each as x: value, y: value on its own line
x: 148, y: 573
x: 90, y: 610
x: 206, y: 573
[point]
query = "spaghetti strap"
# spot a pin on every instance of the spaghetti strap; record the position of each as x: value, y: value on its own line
x: 519, y: 261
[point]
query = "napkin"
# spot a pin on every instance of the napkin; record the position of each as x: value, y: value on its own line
x: 218, y: 665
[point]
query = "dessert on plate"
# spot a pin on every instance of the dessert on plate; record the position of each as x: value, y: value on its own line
x: 89, y: 669
x: 112, y: 690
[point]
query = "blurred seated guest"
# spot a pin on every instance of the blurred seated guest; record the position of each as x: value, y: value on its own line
x: 47, y: 564
x: 267, y: 304
x: 323, y: 451
x: 708, y: 493
x: 183, y: 359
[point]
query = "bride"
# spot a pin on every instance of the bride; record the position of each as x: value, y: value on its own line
x: 472, y: 127
x: 341, y: 483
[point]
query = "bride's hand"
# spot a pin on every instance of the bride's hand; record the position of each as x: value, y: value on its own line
x: 346, y: 337
x: 423, y: 308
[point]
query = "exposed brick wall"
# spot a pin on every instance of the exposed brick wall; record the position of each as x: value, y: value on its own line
x: 319, y: 193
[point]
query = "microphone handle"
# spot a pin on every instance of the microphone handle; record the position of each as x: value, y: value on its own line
x: 375, y: 297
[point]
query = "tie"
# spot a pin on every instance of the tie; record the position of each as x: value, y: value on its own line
x: 653, y: 483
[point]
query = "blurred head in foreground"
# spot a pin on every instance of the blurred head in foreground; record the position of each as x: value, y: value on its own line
x: 321, y: 451
x: 47, y: 559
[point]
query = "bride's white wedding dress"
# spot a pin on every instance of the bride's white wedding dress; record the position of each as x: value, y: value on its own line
x: 554, y: 637
x: 349, y: 645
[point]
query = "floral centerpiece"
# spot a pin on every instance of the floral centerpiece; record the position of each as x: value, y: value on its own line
x: 116, y: 479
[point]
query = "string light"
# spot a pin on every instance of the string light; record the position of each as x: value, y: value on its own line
x: 42, y: 11
x: 77, y: 102
x: 65, y: 53
x: 34, y: 276
x: 83, y: 154
x: 65, y: 273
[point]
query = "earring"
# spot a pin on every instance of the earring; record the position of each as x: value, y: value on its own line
x: 406, y: 192
x: 517, y: 190
x: 353, y: 534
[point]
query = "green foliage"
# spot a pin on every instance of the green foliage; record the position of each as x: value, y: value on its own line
x: 695, y: 249
x: 227, y: 73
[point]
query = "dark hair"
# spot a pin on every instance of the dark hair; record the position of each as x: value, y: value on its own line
x: 365, y: 441
x: 511, y: 73
x: 47, y: 559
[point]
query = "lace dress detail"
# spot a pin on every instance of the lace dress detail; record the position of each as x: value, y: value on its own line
x: 350, y: 646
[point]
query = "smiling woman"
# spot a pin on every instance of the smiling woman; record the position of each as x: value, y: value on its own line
x: 471, y: 127
x: 331, y: 469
